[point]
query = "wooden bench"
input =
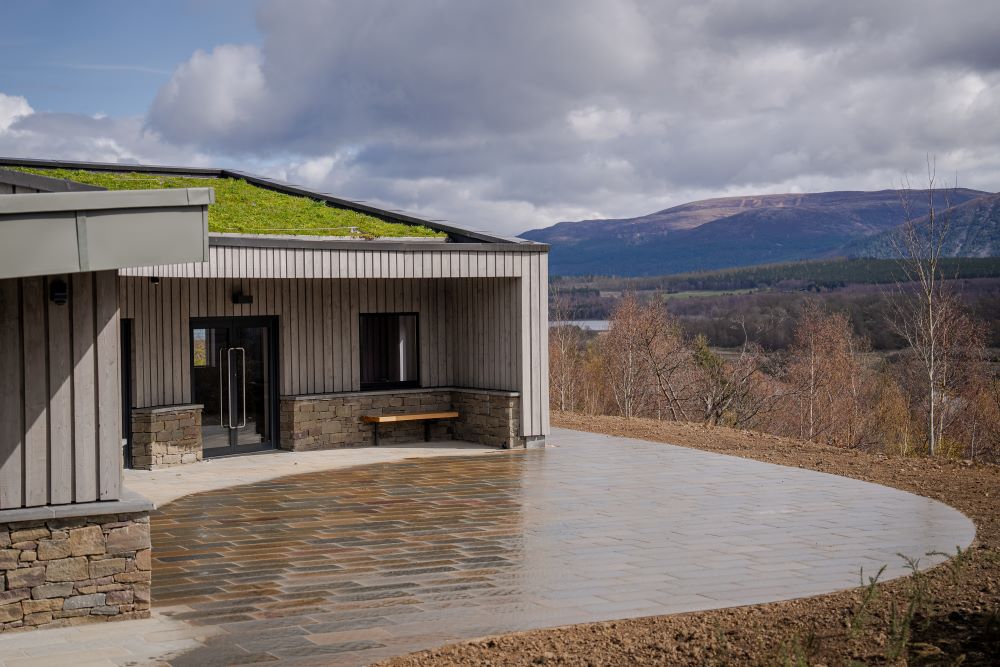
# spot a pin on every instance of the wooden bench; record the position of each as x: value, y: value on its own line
x: 426, y: 417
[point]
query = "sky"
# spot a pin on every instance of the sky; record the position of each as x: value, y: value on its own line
x: 508, y: 116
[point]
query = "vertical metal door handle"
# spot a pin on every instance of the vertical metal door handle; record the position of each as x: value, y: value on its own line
x: 243, y: 382
x: 222, y: 420
x: 229, y: 375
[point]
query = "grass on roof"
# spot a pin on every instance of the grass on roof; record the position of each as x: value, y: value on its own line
x: 242, y: 208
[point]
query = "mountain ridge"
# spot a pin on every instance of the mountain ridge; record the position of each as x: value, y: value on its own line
x: 973, y: 231
x: 732, y: 231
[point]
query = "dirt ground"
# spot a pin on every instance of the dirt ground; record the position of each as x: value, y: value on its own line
x: 949, y: 615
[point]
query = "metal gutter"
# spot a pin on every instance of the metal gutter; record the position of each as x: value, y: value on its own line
x: 305, y: 242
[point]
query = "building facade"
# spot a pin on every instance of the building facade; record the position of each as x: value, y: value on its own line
x: 132, y: 336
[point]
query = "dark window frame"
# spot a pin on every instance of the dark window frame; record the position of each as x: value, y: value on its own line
x: 405, y: 384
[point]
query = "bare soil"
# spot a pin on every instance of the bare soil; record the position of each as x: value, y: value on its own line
x: 955, y: 606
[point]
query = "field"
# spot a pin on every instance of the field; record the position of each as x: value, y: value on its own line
x: 692, y: 294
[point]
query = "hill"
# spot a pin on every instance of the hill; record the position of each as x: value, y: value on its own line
x: 729, y: 232
x: 973, y: 231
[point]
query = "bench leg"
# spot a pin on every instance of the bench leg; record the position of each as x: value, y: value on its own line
x: 427, y: 431
x: 375, y: 432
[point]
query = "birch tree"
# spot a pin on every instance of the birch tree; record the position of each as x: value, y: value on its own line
x: 566, y: 357
x: 919, y: 310
x: 623, y: 359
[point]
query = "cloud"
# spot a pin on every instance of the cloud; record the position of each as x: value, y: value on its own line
x: 212, y: 95
x: 519, y: 114
x: 100, y: 138
x: 599, y: 124
x: 11, y: 109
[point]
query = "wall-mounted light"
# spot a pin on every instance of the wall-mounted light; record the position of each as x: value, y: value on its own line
x: 241, y: 299
x: 59, y: 292
x: 154, y: 280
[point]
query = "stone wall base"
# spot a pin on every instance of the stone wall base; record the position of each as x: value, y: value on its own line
x: 331, y: 421
x: 488, y: 418
x: 166, y: 436
x: 60, y: 572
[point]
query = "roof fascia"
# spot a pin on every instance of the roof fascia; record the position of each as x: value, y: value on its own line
x: 361, y: 245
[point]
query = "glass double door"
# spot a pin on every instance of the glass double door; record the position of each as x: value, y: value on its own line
x: 233, y: 371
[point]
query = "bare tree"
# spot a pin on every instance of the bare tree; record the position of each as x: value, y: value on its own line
x: 565, y: 356
x: 963, y: 375
x: 919, y: 313
x: 734, y: 393
x: 828, y: 376
x: 624, y: 362
x: 667, y: 356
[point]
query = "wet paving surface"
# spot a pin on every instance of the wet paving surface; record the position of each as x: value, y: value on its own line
x: 349, y: 566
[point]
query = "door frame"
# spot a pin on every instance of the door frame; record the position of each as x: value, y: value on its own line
x: 235, y: 321
x: 127, y: 361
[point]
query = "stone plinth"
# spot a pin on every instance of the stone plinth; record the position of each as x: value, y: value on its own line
x: 489, y: 417
x: 67, y: 571
x: 166, y: 436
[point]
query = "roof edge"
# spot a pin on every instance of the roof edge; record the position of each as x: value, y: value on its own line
x: 46, y: 202
x: 388, y: 243
x: 454, y: 232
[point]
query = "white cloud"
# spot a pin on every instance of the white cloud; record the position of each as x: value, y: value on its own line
x: 599, y: 124
x: 519, y: 114
x: 211, y: 94
x: 12, y: 107
x: 313, y: 172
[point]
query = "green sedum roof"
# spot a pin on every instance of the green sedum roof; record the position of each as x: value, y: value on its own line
x: 243, y: 208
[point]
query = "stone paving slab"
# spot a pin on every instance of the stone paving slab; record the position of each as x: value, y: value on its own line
x: 167, y: 484
x: 349, y: 566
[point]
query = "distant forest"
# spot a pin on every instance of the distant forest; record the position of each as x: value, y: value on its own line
x: 767, y: 301
x: 823, y: 274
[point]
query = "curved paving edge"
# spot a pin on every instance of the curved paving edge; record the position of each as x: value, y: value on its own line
x: 353, y: 565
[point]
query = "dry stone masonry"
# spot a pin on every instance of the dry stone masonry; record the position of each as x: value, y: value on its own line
x: 331, y: 421
x: 166, y: 436
x: 488, y: 417
x: 76, y: 570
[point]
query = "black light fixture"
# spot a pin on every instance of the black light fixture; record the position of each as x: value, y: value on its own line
x: 154, y: 280
x: 59, y: 292
x: 241, y: 299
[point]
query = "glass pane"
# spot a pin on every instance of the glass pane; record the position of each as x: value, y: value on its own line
x: 211, y: 378
x: 408, y: 348
x: 253, y: 406
x: 388, y: 350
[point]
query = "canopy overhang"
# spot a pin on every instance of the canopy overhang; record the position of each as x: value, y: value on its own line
x: 46, y: 233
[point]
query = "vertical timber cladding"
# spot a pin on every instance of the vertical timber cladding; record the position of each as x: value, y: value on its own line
x: 466, y: 329
x: 60, y: 421
x: 483, y: 317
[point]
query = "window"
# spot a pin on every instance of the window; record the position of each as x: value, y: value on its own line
x: 389, y: 351
x: 204, y: 348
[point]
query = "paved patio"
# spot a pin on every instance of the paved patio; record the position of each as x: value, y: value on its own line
x: 167, y: 484
x: 348, y: 566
